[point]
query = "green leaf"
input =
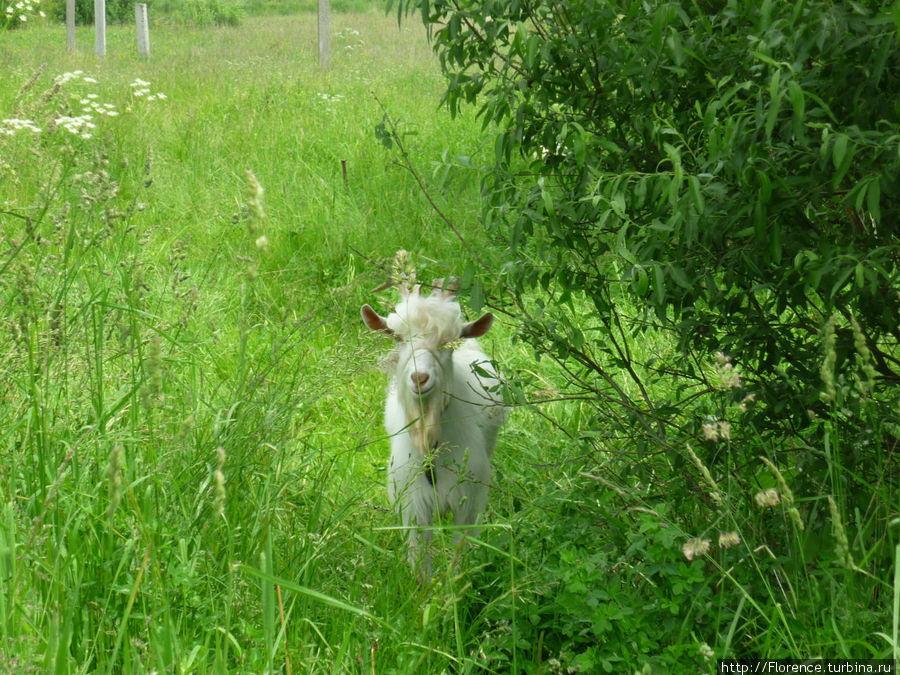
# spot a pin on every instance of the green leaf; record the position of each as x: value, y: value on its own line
x: 775, y: 94
x: 609, y: 146
x: 765, y: 187
x: 531, y: 53
x: 839, y: 150
x: 383, y: 134
x: 860, y: 190
x: 679, y: 277
x: 798, y: 101
x: 873, y: 199
x: 476, y: 296
x: 641, y: 280
x: 844, y: 150
x: 775, y: 241
x: 617, y: 203
x: 547, y: 198
x: 673, y: 42
x: 659, y: 285
x: 696, y: 194
x: 622, y: 246
x: 660, y: 19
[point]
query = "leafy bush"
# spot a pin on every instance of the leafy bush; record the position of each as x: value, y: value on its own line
x: 203, y: 12
x: 281, y: 7
x: 729, y: 171
x: 699, y: 208
x: 187, y: 12
x: 117, y: 11
x: 198, y: 13
x: 732, y: 169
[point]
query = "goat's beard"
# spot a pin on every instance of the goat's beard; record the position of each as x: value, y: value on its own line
x: 425, y: 427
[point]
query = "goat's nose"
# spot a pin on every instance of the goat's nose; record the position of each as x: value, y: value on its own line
x: 419, y: 380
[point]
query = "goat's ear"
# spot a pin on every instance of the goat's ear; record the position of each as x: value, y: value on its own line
x: 479, y: 327
x: 373, y: 320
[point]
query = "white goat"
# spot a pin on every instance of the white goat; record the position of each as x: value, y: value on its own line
x: 443, y: 413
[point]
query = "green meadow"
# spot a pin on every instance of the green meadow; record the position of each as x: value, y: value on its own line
x: 193, y: 460
x: 164, y: 325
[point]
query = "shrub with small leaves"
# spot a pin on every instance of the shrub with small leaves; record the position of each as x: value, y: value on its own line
x: 672, y: 181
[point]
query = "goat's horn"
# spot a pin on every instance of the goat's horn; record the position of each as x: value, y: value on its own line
x: 386, y: 285
x: 448, y: 287
x: 404, y: 285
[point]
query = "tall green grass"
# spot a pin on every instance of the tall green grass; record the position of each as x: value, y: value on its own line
x: 193, y: 460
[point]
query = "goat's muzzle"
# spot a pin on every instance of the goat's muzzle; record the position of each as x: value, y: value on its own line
x: 421, y: 383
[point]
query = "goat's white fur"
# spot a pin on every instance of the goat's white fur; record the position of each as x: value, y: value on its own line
x: 441, y: 415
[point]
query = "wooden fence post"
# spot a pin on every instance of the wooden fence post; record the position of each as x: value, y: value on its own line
x: 100, y: 27
x: 324, y: 37
x: 70, y: 25
x: 143, y: 30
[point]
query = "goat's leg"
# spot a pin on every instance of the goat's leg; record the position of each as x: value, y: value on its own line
x: 425, y: 568
x: 420, y: 539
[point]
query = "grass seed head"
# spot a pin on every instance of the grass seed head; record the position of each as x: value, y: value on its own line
x: 729, y: 539
x: 715, y: 493
x: 767, y: 498
x: 29, y: 85
x: 695, y: 547
x: 842, y: 545
x: 863, y: 361
x: 826, y: 371
x: 403, y: 270
x: 255, y: 211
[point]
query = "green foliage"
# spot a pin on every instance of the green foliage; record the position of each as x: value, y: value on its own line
x: 698, y: 205
x: 201, y: 13
x: 193, y: 464
x: 192, y: 474
x: 265, y: 7
x: 606, y: 608
x: 117, y: 11
x: 185, y: 12
x: 731, y: 168
x: 193, y: 12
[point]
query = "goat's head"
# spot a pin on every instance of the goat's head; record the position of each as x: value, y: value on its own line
x: 427, y: 329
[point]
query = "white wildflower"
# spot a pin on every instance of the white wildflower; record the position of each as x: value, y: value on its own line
x: 77, y: 126
x: 9, y: 127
